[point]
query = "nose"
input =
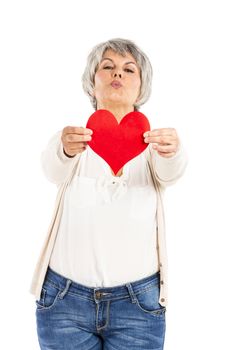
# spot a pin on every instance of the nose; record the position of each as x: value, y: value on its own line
x: 116, y: 74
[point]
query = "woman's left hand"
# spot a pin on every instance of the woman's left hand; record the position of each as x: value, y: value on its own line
x: 165, y: 141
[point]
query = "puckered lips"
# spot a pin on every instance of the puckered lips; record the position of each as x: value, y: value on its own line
x: 116, y: 84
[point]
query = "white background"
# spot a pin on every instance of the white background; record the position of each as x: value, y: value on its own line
x: 44, y: 45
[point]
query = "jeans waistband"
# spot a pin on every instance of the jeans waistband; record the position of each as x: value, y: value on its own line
x: 105, y: 293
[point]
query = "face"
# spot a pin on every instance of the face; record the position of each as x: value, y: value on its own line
x: 117, y: 80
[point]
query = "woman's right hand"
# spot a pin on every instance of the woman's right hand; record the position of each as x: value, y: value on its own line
x: 74, y: 139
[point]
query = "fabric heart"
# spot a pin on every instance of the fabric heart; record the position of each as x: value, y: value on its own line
x: 117, y: 143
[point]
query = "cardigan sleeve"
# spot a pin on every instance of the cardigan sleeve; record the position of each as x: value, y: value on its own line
x: 168, y: 170
x: 55, y: 164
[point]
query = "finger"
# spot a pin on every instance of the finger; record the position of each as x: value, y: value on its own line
x: 77, y: 138
x: 74, y: 150
x: 76, y: 145
x: 161, y: 139
x: 160, y: 132
x: 77, y: 130
x: 166, y: 155
x: 166, y: 149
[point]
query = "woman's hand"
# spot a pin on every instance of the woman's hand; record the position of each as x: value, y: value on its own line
x: 165, y: 141
x: 75, y: 139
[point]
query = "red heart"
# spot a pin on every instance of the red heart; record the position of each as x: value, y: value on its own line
x: 117, y: 143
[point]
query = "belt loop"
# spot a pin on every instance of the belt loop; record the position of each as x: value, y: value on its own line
x: 131, y: 292
x: 68, y: 283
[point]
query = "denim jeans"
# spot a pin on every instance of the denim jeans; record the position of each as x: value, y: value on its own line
x: 71, y: 316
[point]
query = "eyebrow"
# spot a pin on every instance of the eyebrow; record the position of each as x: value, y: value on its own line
x: 106, y: 58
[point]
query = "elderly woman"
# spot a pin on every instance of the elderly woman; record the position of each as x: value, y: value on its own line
x: 101, y: 278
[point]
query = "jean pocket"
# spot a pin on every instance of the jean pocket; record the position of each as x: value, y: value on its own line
x: 148, y: 301
x: 48, y: 297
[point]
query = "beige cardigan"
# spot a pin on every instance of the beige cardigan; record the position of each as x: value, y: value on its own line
x: 60, y: 169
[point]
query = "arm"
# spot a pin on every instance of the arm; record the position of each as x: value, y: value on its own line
x: 55, y: 164
x: 166, y: 155
x: 168, y: 170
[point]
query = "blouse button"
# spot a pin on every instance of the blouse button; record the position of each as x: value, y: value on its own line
x: 162, y: 300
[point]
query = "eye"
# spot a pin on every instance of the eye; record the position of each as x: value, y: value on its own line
x: 129, y: 70
x: 107, y: 67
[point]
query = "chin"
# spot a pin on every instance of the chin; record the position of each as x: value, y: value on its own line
x: 115, y: 102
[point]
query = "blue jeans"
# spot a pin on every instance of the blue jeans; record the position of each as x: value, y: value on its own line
x: 71, y: 316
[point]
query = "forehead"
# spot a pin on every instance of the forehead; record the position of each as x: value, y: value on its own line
x: 117, y: 56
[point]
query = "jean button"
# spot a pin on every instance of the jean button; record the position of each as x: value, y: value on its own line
x: 98, y: 294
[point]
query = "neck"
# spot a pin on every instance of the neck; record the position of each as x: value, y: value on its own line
x: 118, y: 111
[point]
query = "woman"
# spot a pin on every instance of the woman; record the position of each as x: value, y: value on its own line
x: 101, y: 278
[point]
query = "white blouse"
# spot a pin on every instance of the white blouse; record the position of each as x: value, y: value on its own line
x: 107, y: 234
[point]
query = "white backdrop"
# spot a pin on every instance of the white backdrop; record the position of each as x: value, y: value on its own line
x: 44, y: 45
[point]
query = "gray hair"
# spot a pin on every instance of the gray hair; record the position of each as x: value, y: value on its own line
x: 121, y: 46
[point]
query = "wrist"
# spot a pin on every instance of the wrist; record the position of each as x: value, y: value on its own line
x: 67, y: 155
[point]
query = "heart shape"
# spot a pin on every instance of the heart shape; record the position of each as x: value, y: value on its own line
x: 117, y: 143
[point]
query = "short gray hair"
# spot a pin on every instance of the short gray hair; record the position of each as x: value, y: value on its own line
x: 121, y: 46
